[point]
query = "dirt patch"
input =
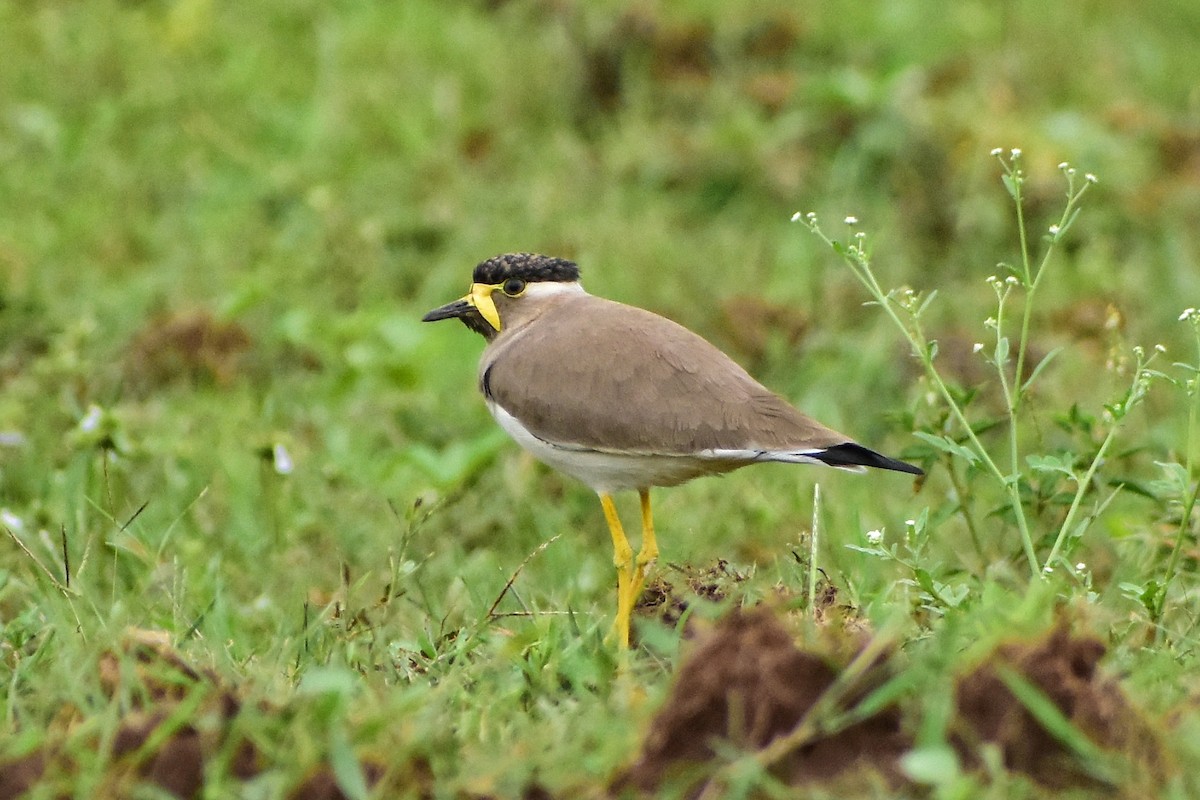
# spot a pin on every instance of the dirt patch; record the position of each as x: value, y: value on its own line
x: 21, y: 774
x: 322, y: 785
x: 192, y: 346
x: 747, y: 685
x: 670, y: 593
x: 1064, y: 668
x: 181, y: 720
x: 675, y: 588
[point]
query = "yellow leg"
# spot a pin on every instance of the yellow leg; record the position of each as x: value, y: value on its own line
x: 631, y: 575
x: 649, y: 552
x: 623, y: 561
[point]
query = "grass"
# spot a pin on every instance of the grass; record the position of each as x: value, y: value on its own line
x: 311, y: 178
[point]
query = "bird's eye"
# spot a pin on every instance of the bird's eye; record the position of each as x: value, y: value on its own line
x: 513, y: 287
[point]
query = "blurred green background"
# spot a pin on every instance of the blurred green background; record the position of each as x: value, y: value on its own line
x: 220, y: 224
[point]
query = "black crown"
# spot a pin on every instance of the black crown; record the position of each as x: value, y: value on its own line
x: 526, y: 266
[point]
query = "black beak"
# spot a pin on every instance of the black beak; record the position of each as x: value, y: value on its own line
x: 457, y: 309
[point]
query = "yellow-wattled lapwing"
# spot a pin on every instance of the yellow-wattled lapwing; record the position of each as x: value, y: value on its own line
x: 622, y: 398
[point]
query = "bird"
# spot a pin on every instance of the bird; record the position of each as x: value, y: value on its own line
x: 623, y: 399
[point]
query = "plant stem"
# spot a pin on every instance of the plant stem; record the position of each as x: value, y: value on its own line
x: 1030, y: 281
x: 1034, y: 280
x: 861, y: 267
x: 812, y: 553
x: 1189, y: 503
x: 960, y: 493
x: 1137, y: 391
x: 1080, y: 490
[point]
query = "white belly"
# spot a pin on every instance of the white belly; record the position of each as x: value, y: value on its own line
x: 611, y: 472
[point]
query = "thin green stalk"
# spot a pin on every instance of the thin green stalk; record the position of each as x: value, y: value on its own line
x: 1189, y: 503
x: 1080, y: 491
x: 1013, y: 445
x: 856, y: 258
x: 1137, y: 391
x: 1030, y: 282
x: 812, y: 551
x: 960, y: 494
x: 1189, y: 506
x: 1010, y: 482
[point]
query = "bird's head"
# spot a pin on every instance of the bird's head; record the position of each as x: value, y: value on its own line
x: 504, y: 287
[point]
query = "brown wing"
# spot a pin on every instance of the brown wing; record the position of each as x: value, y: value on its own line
x: 661, y: 389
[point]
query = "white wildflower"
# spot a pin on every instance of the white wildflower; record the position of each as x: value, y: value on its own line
x: 851, y: 220
x: 11, y: 521
x: 12, y: 439
x: 282, y: 460
x: 91, y: 420
x: 875, y: 536
x: 997, y: 151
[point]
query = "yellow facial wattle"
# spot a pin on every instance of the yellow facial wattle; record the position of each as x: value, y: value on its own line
x: 481, y: 298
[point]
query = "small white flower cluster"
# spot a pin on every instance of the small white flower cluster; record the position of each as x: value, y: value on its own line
x: 908, y: 299
x: 875, y: 536
x: 1069, y: 171
x: 1190, y: 315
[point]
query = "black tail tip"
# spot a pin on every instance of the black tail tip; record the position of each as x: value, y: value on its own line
x: 855, y: 455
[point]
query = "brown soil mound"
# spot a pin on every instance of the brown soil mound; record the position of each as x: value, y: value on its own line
x: 747, y: 685
x: 1064, y: 669
x: 746, y: 688
x: 1045, y: 705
